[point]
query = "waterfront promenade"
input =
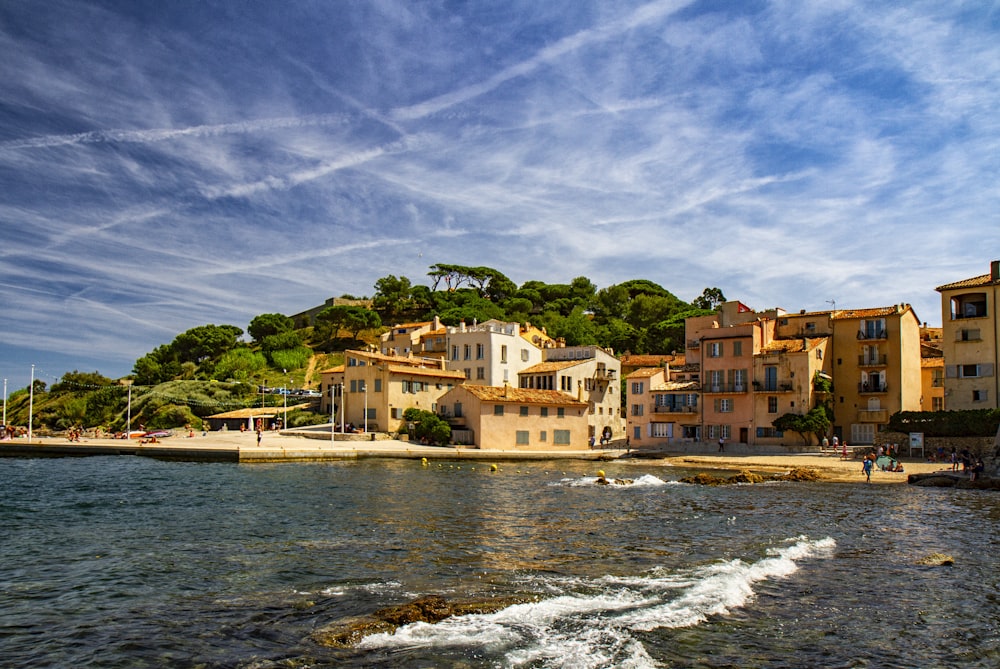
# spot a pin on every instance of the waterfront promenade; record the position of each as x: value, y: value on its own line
x: 241, y: 447
x: 276, y: 447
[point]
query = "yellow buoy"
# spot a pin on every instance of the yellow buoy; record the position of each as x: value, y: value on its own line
x: 493, y: 468
x: 600, y: 472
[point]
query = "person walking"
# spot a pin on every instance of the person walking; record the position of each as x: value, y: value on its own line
x: 722, y: 444
x: 867, y: 467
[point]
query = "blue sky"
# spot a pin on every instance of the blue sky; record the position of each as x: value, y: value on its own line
x: 167, y: 165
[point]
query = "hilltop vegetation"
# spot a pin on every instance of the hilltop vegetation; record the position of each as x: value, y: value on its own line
x: 214, y: 368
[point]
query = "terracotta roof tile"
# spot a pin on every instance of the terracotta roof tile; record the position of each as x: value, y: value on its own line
x: 645, y: 372
x: 974, y: 282
x: 522, y: 395
x: 932, y: 362
x: 553, y: 366
x: 676, y: 385
x: 874, y: 312
x: 427, y: 371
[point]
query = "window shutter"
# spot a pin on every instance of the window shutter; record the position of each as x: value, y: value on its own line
x: 951, y: 371
x: 986, y: 369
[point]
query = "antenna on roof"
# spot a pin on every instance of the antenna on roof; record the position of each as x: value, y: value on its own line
x: 834, y: 303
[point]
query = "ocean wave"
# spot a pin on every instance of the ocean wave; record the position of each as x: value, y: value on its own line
x: 591, y: 622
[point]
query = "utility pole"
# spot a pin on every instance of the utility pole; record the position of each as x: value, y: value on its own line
x: 31, y: 401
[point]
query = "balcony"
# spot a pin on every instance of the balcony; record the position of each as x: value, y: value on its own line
x: 872, y: 335
x: 873, y: 360
x: 774, y: 386
x: 604, y: 374
x: 872, y: 388
x: 694, y: 343
x: 725, y: 388
x: 873, y: 416
x: 675, y: 409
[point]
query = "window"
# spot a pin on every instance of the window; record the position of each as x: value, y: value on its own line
x: 468, y: 352
x: 979, y: 395
x: 480, y: 372
x: 545, y: 412
x: 480, y: 351
x: 524, y: 355
x: 819, y: 354
x: 561, y: 412
x: 497, y: 409
x: 937, y: 378
x: 637, y: 387
x: 371, y: 414
x: 560, y: 437
x: 770, y: 377
x: 873, y: 328
x: 713, y: 432
x: 716, y: 379
x: 503, y: 354
x: 723, y: 406
x: 862, y: 433
x: 468, y: 373
x: 662, y: 430
x: 937, y: 404
x: 739, y: 380
x: 968, y: 335
x: 543, y: 436
x: 458, y: 409
x: 396, y: 413
x: 968, y: 371
x: 406, y: 386
x: 737, y: 348
x: 636, y: 409
x: 378, y: 385
x: 810, y: 326
x: 454, y: 352
x: 715, y: 349
x: 769, y: 432
x: 726, y: 431
x: 522, y: 437
x: 637, y: 433
x: 772, y: 405
x: 524, y: 411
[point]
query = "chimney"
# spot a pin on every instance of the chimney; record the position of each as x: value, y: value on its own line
x: 995, y: 271
x: 437, y: 323
x: 461, y: 326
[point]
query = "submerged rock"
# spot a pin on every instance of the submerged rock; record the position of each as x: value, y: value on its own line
x: 348, y: 632
x: 746, y: 476
x: 799, y: 474
x: 936, y: 560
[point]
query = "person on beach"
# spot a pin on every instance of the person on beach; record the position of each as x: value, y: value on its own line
x: 722, y: 444
x: 260, y: 433
x: 867, y: 467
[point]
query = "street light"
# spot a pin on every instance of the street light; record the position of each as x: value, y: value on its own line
x: 31, y: 401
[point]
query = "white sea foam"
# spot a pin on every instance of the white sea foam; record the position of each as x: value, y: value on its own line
x: 644, y: 481
x: 590, y: 622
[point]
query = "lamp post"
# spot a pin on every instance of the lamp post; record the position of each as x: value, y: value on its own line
x: 284, y: 400
x: 333, y: 409
x: 366, y: 407
x: 5, y: 403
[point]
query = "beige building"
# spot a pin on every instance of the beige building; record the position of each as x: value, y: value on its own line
x: 787, y: 375
x: 971, y: 340
x: 411, y: 338
x: 376, y: 389
x: 876, y: 368
x: 507, y: 418
x: 663, y: 406
x: 588, y: 374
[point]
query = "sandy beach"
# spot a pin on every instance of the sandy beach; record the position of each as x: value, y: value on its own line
x: 830, y: 468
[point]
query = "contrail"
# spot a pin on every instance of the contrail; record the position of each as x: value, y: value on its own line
x: 161, y: 135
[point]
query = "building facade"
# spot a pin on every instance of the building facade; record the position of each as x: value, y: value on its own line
x: 971, y: 340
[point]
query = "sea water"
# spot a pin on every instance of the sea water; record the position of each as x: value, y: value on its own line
x: 133, y: 562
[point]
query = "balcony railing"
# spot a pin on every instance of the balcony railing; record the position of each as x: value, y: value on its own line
x: 725, y: 388
x: 675, y: 409
x: 773, y: 386
x: 873, y: 388
x: 873, y: 334
x: 608, y: 374
x: 694, y: 343
x: 873, y: 360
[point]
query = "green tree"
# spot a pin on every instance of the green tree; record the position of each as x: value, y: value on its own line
x: 75, y: 382
x: 393, y: 298
x: 281, y: 341
x: 205, y: 342
x: 359, y: 318
x: 815, y: 422
x: 427, y: 425
x: 266, y: 325
x: 710, y: 298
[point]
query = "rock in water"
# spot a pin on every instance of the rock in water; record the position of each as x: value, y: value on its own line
x: 348, y: 632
